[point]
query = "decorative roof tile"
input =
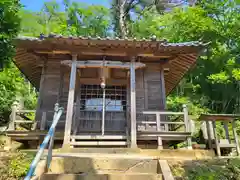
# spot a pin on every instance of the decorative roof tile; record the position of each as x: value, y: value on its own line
x: 163, y: 43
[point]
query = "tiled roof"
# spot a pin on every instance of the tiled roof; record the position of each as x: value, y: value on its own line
x: 163, y: 42
x: 182, y: 56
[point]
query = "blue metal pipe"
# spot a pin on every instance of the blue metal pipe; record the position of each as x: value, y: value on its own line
x: 44, y: 144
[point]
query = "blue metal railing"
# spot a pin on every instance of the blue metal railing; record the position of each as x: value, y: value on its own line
x: 49, y: 137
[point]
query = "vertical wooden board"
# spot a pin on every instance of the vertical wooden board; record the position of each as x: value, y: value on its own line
x: 89, y: 72
x: 51, y: 85
x: 153, y: 83
x: 154, y: 95
x: 118, y: 73
x: 61, y: 84
x: 140, y: 104
x: 43, y: 121
x: 41, y: 93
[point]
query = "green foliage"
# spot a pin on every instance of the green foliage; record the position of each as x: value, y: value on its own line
x: 87, y: 20
x: 9, y: 26
x: 77, y: 19
x: 19, y: 164
x: 16, y: 166
x: 175, y: 103
x: 13, y: 84
x: 217, y: 70
x: 224, y: 169
x: 229, y: 170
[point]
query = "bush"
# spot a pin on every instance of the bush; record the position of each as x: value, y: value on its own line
x: 215, y: 169
x: 16, y: 166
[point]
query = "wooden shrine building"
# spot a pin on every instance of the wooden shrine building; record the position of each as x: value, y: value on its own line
x: 113, y: 90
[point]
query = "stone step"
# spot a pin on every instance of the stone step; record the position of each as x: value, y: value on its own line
x: 167, y: 154
x: 114, y: 176
x: 104, y: 164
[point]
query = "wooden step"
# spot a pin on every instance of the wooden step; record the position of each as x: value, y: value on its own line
x: 98, y: 143
x: 99, y: 137
x: 115, y: 176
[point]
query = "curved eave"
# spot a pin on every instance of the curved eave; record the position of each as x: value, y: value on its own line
x: 30, y: 61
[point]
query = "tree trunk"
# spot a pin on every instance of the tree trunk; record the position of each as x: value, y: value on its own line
x: 122, y: 18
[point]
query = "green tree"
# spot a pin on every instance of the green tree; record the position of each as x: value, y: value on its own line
x: 85, y: 20
x: 124, y: 12
x: 13, y: 84
x: 9, y: 27
x: 217, y: 70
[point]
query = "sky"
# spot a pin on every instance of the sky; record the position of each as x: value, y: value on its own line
x: 36, y: 5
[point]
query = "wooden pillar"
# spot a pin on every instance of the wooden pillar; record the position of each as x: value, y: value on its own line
x: 163, y: 96
x: 235, y: 136
x: 13, y: 117
x: 69, y: 116
x: 187, y: 126
x: 163, y: 90
x: 158, y: 117
x: 226, y: 131
x: 133, y: 104
x: 128, y: 119
x: 41, y: 92
x: 77, y: 106
x: 209, y: 134
x: 216, y: 139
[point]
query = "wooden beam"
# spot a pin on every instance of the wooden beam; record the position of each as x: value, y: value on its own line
x: 209, y: 134
x: 99, y: 64
x: 70, y: 104
x: 110, y: 81
x: 235, y: 137
x: 165, y: 169
x: 98, y: 51
x: 133, y: 104
x: 216, y: 139
x: 227, y: 132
